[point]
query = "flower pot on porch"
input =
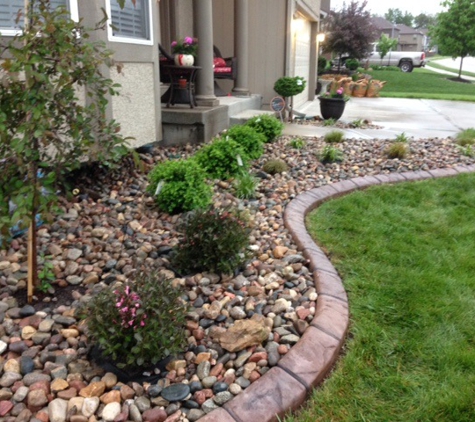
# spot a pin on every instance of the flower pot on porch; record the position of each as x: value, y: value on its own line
x: 184, y: 59
x: 332, y: 108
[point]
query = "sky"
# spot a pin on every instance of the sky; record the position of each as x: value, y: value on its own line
x: 380, y: 7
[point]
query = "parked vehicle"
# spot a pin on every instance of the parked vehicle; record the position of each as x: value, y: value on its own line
x: 405, y: 60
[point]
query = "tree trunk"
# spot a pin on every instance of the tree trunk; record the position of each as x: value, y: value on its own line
x: 460, y: 70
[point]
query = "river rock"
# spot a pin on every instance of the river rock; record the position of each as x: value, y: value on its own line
x: 244, y: 333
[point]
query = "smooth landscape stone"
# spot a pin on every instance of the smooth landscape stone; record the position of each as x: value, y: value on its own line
x: 176, y: 392
x: 57, y: 410
x: 111, y: 411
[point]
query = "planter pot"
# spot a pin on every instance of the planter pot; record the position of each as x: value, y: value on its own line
x: 332, y: 108
x: 184, y: 59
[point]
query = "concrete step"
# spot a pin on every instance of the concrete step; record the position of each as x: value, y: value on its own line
x: 244, y: 116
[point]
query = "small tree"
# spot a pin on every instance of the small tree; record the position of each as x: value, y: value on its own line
x: 385, y: 44
x: 287, y: 87
x: 455, y: 32
x: 350, y: 31
x: 45, y: 128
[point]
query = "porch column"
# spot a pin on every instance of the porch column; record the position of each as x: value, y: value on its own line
x: 203, y: 18
x: 312, y: 81
x: 241, y: 46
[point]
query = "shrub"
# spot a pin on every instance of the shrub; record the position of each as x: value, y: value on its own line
x: 137, y: 324
x: 213, y: 240
x: 222, y: 158
x: 329, y: 122
x: 352, y: 64
x: 397, y: 150
x: 402, y: 137
x: 330, y: 154
x: 249, y: 138
x: 322, y: 64
x: 466, y: 137
x: 245, y: 185
x: 288, y: 86
x: 467, y: 150
x: 357, y: 123
x: 267, y: 125
x: 297, y: 143
x: 334, y: 137
x: 275, y: 166
x: 179, y: 186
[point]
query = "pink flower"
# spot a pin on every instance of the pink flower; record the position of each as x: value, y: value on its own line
x: 142, y: 323
x: 188, y: 40
x: 174, y: 44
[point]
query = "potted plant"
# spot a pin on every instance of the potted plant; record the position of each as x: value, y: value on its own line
x: 332, y: 104
x: 184, y: 50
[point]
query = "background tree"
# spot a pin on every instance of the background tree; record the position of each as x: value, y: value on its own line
x: 350, y: 31
x: 455, y: 31
x: 46, y: 129
x: 385, y: 44
x: 399, y: 17
x: 423, y: 21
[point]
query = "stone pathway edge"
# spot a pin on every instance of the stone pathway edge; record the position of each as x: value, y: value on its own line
x: 286, y: 386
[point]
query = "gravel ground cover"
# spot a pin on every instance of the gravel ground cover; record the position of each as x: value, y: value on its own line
x: 110, y: 229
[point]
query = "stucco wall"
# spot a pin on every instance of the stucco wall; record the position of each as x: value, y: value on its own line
x: 135, y: 108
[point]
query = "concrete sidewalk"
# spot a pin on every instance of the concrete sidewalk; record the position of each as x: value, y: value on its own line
x: 418, y: 118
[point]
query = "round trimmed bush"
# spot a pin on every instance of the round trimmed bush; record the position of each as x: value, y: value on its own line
x: 222, y: 159
x: 179, y: 186
x: 249, y: 138
x: 288, y: 86
x: 267, y: 125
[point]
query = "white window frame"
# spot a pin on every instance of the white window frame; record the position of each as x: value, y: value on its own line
x: 73, y: 10
x: 129, y: 40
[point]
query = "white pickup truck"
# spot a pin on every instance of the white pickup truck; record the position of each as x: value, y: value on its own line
x: 405, y: 60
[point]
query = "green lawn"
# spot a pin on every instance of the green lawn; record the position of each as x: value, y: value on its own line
x: 406, y: 254
x: 422, y: 83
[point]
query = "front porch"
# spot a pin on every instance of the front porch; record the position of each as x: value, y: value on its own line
x: 182, y: 124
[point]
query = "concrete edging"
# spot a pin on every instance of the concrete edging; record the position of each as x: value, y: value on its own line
x: 285, y: 386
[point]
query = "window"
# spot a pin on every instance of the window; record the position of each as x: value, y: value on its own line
x: 9, y: 12
x: 132, y: 24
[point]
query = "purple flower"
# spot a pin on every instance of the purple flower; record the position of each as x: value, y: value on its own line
x: 188, y: 40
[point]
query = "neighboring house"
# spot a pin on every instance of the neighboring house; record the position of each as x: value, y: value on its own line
x: 385, y: 27
x: 269, y: 38
x: 411, y: 39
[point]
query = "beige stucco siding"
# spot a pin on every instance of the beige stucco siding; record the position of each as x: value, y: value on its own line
x: 134, y: 108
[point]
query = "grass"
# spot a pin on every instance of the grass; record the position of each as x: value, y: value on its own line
x: 422, y: 83
x: 406, y: 255
x: 433, y: 63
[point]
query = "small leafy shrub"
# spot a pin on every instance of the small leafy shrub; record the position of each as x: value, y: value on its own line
x: 137, y: 324
x: 352, y: 64
x: 249, y: 138
x: 330, y: 154
x: 334, y: 137
x: 322, y: 64
x: 388, y: 68
x: 288, y: 86
x: 213, y: 240
x: 402, y: 137
x: 267, y: 125
x: 357, y: 123
x: 329, y: 122
x: 467, y: 150
x: 397, y: 150
x: 245, y: 185
x: 46, y: 275
x: 297, y: 143
x: 179, y: 186
x: 222, y: 158
x: 275, y: 166
x: 466, y: 137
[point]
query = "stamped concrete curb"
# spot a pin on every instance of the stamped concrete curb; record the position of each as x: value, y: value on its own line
x: 286, y: 385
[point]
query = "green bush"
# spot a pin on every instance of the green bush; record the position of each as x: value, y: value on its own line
x: 352, y: 64
x: 288, y: 86
x: 334, y: 137
x: 329, y: 122
x: 402, y: 137
x: 245, y: 185
x: 330, y: 154
x: 222, y: 159
x: 275, y: 166
x: 267, y: 125
x: 466, y: 137
x: 297, y: 143
x: 213, y: 240
x: 322, y: 64
x: 397, y: 150
x: 179, y: 186
x: 136, y: 324
x: 249, y: 138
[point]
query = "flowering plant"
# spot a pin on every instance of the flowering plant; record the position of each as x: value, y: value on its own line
x: 336, y: 93
x: 185, y: 45
x: 137, y: 324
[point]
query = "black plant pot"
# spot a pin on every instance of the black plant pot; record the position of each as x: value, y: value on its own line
x: 332, y: 108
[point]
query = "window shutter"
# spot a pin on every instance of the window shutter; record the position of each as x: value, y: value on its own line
x: 131, y: 21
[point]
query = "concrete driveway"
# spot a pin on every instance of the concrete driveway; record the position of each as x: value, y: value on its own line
x: 418, y: 118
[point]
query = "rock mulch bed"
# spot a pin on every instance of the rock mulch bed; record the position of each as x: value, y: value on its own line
x: 110, y: 229
x: 339, y: 124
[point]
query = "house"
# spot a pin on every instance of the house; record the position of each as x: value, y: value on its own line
x: 385, y: 27
x: 269, y: 38
x: 411, y: 39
